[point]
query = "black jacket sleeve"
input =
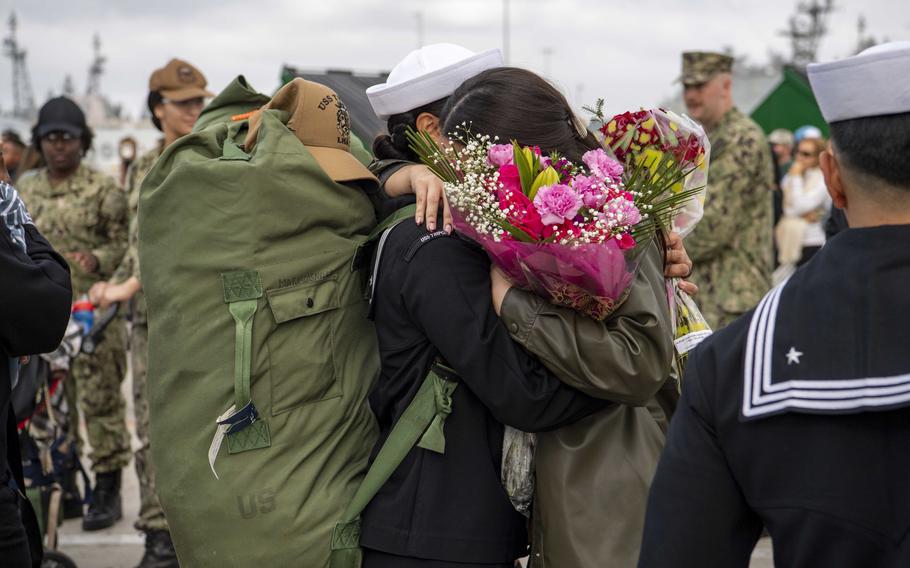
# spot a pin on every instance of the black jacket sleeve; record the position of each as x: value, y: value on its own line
x: 35, y: 295
x: 447, y: 292
x: 697, y: 515
x: 382, y: 203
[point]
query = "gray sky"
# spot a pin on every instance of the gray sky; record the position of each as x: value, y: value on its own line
x: 626, y: 52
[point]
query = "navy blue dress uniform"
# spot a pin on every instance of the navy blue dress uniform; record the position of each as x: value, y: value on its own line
x: 796, y: 417
x: 433, y: 300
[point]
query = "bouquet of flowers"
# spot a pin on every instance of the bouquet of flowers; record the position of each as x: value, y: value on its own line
x: 662, y: 138
x: 572, y: 233
x: 665, y: 143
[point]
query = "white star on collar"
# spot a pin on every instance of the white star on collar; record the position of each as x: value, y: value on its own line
x: 793, y: 356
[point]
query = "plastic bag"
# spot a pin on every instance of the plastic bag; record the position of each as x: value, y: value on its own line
x: 518, y: 468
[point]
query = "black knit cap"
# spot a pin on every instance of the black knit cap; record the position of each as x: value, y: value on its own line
x: 60, y: 114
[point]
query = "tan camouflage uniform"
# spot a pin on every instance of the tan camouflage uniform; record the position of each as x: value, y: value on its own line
x: 731, y: 246
x: 151, y: 515
x: 87, y: 212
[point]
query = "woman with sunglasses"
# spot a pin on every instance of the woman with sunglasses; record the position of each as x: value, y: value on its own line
x: 806, y: 204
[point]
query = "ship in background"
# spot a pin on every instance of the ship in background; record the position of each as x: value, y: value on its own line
x: 118, y: 138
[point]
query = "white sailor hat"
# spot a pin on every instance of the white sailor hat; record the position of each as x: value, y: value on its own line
x: 873, y: 83
x: 428, y: 74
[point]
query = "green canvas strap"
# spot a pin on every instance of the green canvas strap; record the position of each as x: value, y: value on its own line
x: 433, y: 437
x: 398, y: 216
x: 242, y: 311
x: 361, y: 255
x: 244, y: 429
x: 421, y: 424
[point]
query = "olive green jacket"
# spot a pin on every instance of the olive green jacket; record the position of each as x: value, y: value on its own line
x: 593, y: 476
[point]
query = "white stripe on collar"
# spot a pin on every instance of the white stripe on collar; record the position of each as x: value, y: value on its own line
x: 762, y: 397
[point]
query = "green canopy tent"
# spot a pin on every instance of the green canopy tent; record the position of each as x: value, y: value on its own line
x: 790, y: 104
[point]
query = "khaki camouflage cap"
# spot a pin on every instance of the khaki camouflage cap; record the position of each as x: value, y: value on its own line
x: 700, y: 66
x: 179, y: 81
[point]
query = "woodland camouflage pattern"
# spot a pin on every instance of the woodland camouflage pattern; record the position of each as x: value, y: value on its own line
x: 130, y: 264
x: 151, y: 515
x: 700, y: 66
x: 86, y: 212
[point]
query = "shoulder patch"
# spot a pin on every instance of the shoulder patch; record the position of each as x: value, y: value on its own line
x: 422, y: 240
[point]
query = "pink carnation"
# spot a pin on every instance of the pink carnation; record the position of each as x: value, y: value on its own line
x: 602, y: 165
x: 557, y: 203
x: 501, y: 155
x: 623, y: 212
x: 591, y: 191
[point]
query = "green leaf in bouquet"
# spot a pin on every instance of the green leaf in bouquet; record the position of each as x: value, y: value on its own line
x: 597, y: 110
x: 516, y: 233
x: 662, y: 213
x: 624, y: 142
x: 432, y: 155
x: 525, y: 165
x: 656, y: 179
x: 550, y: 239
x: 547, y: 177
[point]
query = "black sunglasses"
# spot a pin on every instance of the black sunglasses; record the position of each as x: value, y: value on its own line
x: 59, y: 137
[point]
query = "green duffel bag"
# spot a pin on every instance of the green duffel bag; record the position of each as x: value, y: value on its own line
x: 261, y: 355
x: 238, y: 99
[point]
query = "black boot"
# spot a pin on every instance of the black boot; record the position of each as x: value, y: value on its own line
x: 105, y: 508
x: 159, y: 551
x: 72, y: 500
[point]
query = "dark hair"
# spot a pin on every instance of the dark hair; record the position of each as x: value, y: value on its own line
x: 394, y: 145
x: 154, y: 100
x: 13, y: 138
x: 85, y: 139
x: 876, y: 146
x: 516, y: 104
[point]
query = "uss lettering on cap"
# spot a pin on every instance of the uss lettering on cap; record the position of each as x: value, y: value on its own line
x: 332, y: 103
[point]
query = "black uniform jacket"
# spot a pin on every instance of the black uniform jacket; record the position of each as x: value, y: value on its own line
x: 35, y: 298
x: 432, y: 300
x: 797, y: 417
